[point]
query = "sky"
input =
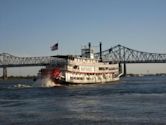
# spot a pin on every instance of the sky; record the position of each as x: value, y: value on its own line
x: 31, y: 27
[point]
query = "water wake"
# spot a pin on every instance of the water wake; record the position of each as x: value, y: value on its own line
x: 45, y: 82
x: 22, y: 86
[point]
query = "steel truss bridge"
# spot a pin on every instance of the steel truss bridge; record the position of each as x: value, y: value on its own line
x: 8, y: 60
x: 124, y: 54
x: 118, y: 53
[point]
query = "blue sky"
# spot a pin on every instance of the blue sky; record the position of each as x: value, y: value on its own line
x: 30, y: 27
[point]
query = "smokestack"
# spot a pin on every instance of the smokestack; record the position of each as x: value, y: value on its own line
x: 89, y: 45
x: 100, y: 51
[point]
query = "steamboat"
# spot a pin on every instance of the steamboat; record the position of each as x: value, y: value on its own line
x: 84, y: 69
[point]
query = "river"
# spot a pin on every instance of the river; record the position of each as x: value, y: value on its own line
x: 130, y: 101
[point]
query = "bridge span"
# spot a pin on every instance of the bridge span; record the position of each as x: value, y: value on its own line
x: 122, y: 54
x: 8, y: 60
x: 118, y: 53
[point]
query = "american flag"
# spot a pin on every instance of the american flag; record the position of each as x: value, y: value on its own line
x: 54, y: 47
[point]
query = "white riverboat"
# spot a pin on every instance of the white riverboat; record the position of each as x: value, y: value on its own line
x: 82, y: 69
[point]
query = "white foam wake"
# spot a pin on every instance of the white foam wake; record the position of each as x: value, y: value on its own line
x: 45, y: 82
x: 22, y: 86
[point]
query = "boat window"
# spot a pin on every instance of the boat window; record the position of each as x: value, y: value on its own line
x: 75, y: 67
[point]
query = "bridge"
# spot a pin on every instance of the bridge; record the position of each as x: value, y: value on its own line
x: 122, y: 54
x: 8, y: 60
x: 117, y: 54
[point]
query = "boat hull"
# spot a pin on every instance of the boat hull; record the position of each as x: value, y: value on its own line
x: 63, y: 82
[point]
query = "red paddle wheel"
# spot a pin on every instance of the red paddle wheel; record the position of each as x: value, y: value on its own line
x: 56, y: 73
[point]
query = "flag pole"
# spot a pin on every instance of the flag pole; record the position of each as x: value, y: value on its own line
x: 58, y: 48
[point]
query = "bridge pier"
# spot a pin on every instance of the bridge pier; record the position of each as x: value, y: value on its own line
x: 124, y: 69
x: 120, y: 68
x: 4, y: 73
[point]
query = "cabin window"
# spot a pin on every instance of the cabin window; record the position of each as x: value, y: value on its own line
x: 88, y: 78
x: 101, y: 68
x: 75, y: 67
x: 105, y: 68
x: 71, y: 78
